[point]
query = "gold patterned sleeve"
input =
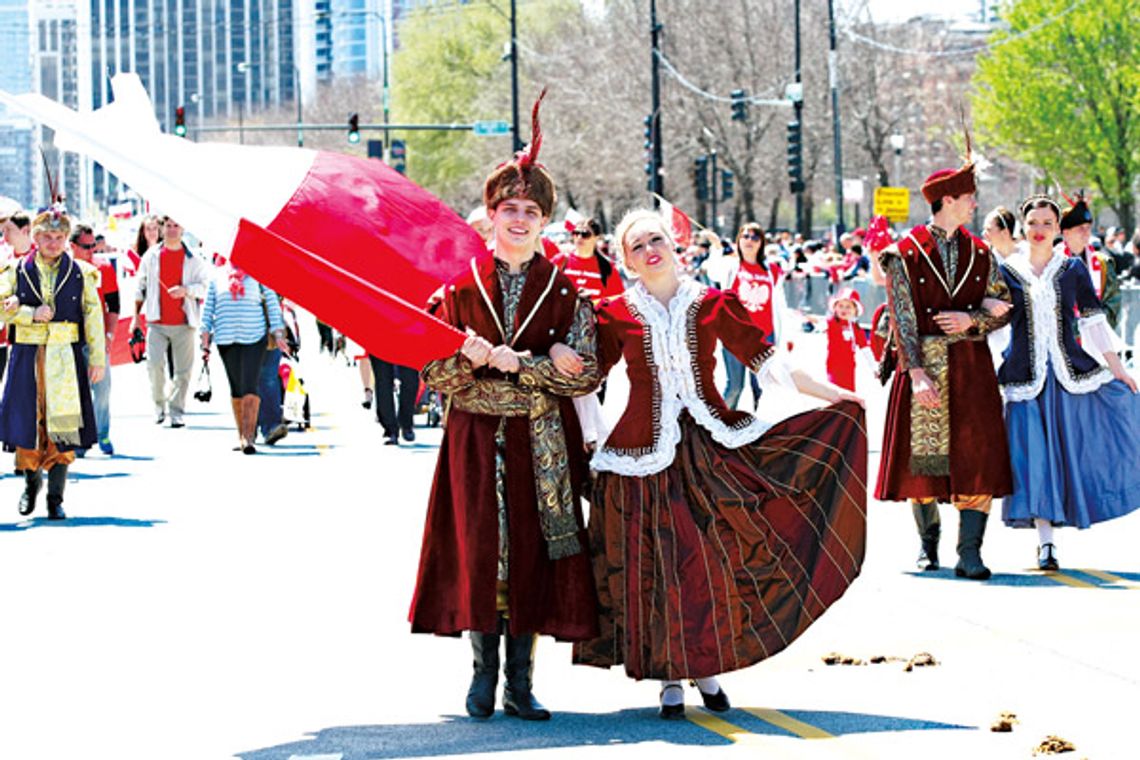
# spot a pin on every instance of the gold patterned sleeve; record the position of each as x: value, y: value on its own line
x: 449, y: 375
x: 900, y: 302
x: 996, y: 287
x: 17, y: 315
x: 540, y: 372
x: 93, y: 320
x: 454, y: 373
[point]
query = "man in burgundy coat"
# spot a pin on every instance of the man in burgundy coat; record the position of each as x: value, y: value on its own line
x: 944, y: 438
x: 504, y: 547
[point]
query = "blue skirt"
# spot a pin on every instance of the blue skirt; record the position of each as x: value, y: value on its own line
x: 1073, y: 455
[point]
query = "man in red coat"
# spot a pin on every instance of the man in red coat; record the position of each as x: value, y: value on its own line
x: 944, y: 438
x: 504, y: 548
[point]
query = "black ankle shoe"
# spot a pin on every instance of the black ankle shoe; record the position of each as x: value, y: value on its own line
x: 55, y: 508
x: 33, y: 481
x: 1048, y: 562
x: 522, y: 704
x: 672, y: 712
x: 715, y: 702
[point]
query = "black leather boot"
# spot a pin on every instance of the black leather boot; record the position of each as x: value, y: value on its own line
x: 971, y: 529
x: 32, y: 483
x: 57, y: 479
x: 929, y: 526
x: 518, y: 699
x: 481, y: 695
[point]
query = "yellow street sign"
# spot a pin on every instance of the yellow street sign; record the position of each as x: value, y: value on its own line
x: 893, y: 203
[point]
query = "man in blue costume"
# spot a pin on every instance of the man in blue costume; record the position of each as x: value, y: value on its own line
x: 52, y: 301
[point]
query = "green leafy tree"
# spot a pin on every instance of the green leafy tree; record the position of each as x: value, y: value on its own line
x: 450, y: 68
x: 1065, y: 97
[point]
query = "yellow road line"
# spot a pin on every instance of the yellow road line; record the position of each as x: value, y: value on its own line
x: 788, y: 723
x: 1069, y: 580
x: 730, y: 731
x: 1110, y: 578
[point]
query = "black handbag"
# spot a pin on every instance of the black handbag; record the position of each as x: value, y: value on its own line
x: 203, y: 388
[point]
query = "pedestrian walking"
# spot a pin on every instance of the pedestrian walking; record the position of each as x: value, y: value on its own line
x: 148, y: 236
x: 757, y: 285
x: 395, y: 417
x: 941, y: 440
x: 171, y: 284
x: 737, y: 534
x: 1062, y: 405
x: 595, y: 277
x: 242, y: 317
x: 82, y: 249
x: 58, y: 350
x: 503, y: 551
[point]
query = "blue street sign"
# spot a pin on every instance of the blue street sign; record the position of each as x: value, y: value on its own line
x: 488, y: 128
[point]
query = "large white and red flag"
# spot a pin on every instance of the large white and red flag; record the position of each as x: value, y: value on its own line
x: 349, y: 239
x: 679, y: 222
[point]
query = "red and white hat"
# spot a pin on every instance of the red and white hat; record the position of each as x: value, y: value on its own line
x: 847, y: 294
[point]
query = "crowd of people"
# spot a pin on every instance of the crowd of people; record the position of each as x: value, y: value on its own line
x: 715, y: 538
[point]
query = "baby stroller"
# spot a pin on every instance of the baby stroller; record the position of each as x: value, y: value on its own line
x: 295, y: 403
x: 430, y: 403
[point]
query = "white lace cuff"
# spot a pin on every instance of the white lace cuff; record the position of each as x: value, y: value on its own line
x: 1098, y: 337
x: 776, y: 372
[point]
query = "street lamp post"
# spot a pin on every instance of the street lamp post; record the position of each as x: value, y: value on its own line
x: 297, y: 94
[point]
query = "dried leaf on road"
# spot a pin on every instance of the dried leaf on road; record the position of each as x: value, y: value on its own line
x: 1053, y: 745
x: 1004, y: 723
x: 920, y: 660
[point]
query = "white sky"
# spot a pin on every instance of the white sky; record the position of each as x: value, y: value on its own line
x: 901, y: 10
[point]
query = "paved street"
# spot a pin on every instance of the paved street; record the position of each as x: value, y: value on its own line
x: 203, y: 604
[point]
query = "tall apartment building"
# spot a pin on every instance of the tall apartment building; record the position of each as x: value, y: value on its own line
x: 16, y: 132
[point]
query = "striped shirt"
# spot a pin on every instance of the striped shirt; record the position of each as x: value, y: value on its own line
x: 240, y: 320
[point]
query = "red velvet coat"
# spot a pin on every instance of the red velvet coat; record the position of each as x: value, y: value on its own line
x: 645, y: 437
x: 979, y: 452
x: 456, y: 585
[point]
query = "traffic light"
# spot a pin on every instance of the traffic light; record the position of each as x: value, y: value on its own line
x: 739, y: 105
x: 180, y: 121
x: 701, y: 173
x: 398, y: 155
x: 648, y: 145
x: 726, y: 184
x: 795, y: 157
x: 353, y: 128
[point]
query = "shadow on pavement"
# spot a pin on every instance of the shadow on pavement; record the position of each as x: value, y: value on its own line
x: 1107, y: 579
x: 288, y: 450
x: 73, y: 475
x: 79, y: 522
x: 460, y: 735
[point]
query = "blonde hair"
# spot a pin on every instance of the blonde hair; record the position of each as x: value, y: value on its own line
x: 634, y: 217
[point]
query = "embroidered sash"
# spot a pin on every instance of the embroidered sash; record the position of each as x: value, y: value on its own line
x: 502, y: 398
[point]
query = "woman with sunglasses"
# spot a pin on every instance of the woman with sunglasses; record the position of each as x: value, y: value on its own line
x: 757, y: 285
x: 716, y: 538
x: 593, y: 274
x: 595, y: 277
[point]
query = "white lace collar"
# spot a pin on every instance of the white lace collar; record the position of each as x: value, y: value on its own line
x: 669, y: 341
x: 1019, y: 262
x: 1043, y: 333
